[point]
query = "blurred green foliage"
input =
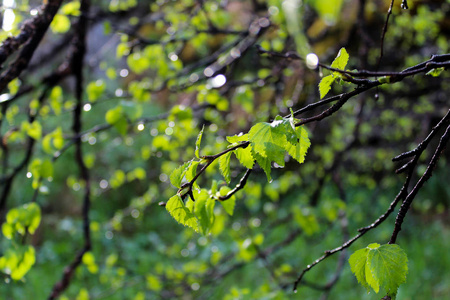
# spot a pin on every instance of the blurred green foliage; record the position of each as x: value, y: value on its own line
x: 152, y: 84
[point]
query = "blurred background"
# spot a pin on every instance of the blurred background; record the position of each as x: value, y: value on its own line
x: 156, y: 72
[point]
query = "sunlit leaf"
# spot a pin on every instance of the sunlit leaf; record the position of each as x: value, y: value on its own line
x: 230, y: 203
x: 325, y: 85
x: 60, y: 24
x: 245, y: 157
x: 18, y: 261
x: 267, y: 140
x: 204, y: 210
x: 341, y: 60
x: 298, y: 150
x: 177, y: 175
x: 181, y: 213
x: 95, y: 90
x: 224, y: 166
x: 435, y: 72
x: 198, y: 142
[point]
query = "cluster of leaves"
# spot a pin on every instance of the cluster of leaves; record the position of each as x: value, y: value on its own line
x: 18, y: 259
x: 265, y: 143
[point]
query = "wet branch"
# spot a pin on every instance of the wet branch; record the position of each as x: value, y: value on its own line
x: 76, y: 62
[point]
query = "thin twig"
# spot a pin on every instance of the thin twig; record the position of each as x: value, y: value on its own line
x: 429, y: 171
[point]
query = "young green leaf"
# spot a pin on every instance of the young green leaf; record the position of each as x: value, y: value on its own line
x: 22, y: 218
x: 197, y: 143
x: 341, y: 60
x: 245, y: 157
x: 204, y: 210
x: 191, y: 171
x: 435, y: 72
x: 224, y: 166
x: 18, y: 261
x: 264, y: 163
x: 230, y: 203
x: 389, y: 267
x: 267, y: 139
x: 113, y: 115
x: 358, y: 261
x: 380, y: 267
x: 34, y: 130
x: 325, y: 85
x: 95, y: 90
x: 181, y: 213
x: 237, y: 138
x: 177, y: 175
x: 299, y: 149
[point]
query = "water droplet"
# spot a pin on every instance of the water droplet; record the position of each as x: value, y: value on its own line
x: 308, y: 266
x: 271, y: 180
x: 295, y: 291
x: 312, y: 61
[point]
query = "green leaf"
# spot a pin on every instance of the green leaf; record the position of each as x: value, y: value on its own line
x: 341, y: 59
x: 230, y: 203
x: 18, y: 261
x: 131, y: 110
x: 191, y: 171
x: 121, y: 126
x: 113, y: 115
x: 325, y: 85
x: 181, y: 213
x: 204, y: 210
x: 235, y: 139
x: 380, y: 267
x: 22, y: 218
x: 298, y: 150
x: 116, y: 117
x: 197, y: 143
x: 54, y: 138
x: 177, y: 175
x: 264, y: 163
x: 267, y: 139
x: 71, y: 8
x: 60, y: 24
x: 358, y: 261
x: 34, y: 130
x: 46, y: 169
x: 339, y: 62
x: 245, y: 157
x: 435, y: 72
x: 306, y: 218
x: 224, y: 166
x: 58, y: 138
x: 95, y: 90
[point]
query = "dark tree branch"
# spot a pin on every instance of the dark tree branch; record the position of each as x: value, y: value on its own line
x: 28, y: 30
x: 36, y: 28
x: 238, y: 187
x: 428, y: 172
x: 76, y: 63
x: 424, y: 144
x: 403, y: 194
x: 383, y: 33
